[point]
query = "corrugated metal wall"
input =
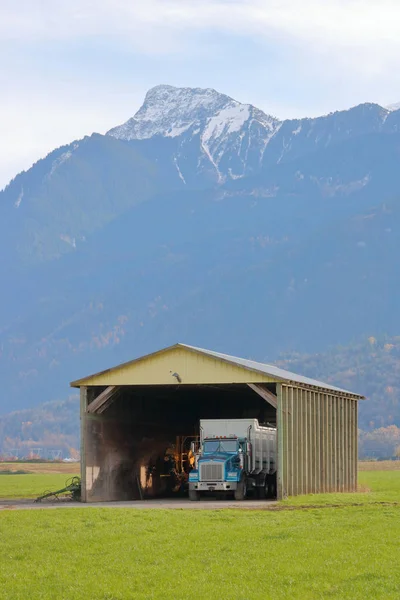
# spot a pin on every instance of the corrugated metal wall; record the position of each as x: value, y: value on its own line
x: 317, y: 442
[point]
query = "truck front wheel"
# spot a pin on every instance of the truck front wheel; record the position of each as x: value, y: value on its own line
x: 241, y: 490
x: 194, y: 495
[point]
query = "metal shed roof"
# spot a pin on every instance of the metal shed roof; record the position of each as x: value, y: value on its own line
x: 269, y: 370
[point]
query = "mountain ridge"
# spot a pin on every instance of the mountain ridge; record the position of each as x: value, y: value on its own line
x: 153, y: 96
x: 210, y: 150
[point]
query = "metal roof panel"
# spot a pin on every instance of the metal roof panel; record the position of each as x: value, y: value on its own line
x: 270, y: 370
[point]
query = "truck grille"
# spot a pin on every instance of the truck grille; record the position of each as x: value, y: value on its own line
x: 212, y: 472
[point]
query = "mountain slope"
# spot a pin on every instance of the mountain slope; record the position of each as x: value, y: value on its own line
x: 207, y: 279
x: 74, y: 191
x: 370, y: 365
x: 204, y: 221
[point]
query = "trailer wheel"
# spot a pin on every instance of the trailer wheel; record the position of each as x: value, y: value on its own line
x: 241, y: 490
x: 260, y: 492
x: 194, y: 495
x: 270, y: 486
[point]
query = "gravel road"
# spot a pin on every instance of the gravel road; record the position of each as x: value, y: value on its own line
x: 163, y: 504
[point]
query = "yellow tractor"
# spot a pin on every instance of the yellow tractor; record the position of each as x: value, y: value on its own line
x: 179, y: 460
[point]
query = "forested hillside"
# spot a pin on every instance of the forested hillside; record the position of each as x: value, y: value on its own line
x: 370, y: 367
x: 49, y: 430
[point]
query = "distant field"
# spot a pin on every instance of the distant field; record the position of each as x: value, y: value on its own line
x: 41, y: 467
x: 384, y: 465
x: 381, y: 465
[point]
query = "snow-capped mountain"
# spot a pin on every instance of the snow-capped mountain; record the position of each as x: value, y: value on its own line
x: 395, y: 106
x: 231, y: 140
x: 170, y: 111
x: 181, y: 138
x: 226, y: 132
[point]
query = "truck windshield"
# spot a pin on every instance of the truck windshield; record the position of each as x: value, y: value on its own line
x: 220, y: 446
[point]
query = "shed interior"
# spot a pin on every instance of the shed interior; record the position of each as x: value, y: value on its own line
x: 126, y: 445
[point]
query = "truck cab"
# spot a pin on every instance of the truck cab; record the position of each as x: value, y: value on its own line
x: 218, y: 467
x: 233, y: 462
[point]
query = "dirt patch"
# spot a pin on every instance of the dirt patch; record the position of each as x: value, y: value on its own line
x: 43, y: 468
x: 12, y: 472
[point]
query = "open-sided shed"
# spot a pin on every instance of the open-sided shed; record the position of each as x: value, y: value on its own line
x: 131, y: 412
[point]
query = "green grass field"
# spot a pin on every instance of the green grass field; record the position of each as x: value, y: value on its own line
x: 29, y: 486
x: 375, y: 487
x: 43, y: 477
x: 117, y: 554
x: 350, y: 552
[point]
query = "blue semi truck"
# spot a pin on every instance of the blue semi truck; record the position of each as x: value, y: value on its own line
x: 235, y: 456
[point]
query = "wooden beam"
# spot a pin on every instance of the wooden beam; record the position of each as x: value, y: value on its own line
x: 102, y: 401
x: 264, y: 393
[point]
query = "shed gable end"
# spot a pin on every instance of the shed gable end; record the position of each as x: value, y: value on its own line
x: 189, y: 367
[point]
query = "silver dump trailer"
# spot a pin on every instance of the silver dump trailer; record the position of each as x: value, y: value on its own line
x: 235, y: 456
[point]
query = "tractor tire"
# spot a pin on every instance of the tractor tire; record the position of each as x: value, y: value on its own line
x: 194, y: 495
x: 241, y: 490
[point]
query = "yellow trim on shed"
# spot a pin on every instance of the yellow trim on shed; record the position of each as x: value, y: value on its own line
x: 158, y: 369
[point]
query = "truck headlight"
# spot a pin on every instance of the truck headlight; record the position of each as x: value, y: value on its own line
x: 232, y: 474
x: 193, y: 476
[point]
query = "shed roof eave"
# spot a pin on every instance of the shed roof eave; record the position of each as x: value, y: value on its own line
x: 327, y: 390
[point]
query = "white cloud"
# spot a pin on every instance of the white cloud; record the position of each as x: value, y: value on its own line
x: 53, y: 120
x: 352, y: 36
x: 341, y: 23
x: 333, y: 53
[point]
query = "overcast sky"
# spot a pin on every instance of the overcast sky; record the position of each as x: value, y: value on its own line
x: 68, y: 68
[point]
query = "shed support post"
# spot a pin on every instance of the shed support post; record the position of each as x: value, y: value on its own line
x: 83, y: 408
x: 355, y: 433
x: 281, y: 492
